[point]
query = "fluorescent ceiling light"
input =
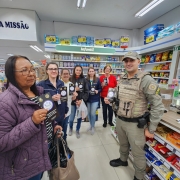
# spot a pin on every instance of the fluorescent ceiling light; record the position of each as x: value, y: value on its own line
x: 38, y: 48
x: 81, y: 4
x: 10, y: 54
x: 148, y: 7
x: 1, y: 59
x: 34, y: 48
x: 47, y: 56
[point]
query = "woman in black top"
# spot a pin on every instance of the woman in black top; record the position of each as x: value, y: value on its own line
x: 82, y: 91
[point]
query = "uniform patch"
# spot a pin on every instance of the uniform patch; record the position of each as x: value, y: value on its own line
x: 158, y: 91
x: 152, y: 87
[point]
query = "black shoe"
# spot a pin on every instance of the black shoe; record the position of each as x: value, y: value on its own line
x: 111, y: 124
x: 135, y: 178
x: 104, y: 125
x: 118, y: 162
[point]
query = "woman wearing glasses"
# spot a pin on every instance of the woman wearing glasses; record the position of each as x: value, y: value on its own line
x: 52, y: 84
x: 23, y: 136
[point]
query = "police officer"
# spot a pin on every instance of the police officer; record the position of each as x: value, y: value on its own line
x: 135, y: 90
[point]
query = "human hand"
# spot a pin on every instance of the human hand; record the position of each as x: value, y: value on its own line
x: 56, y: 97
x: 106, y: 100
x: 77, y: 88
x: 103, y: 84
x: 57, y: 127
x: 39, y: 116
x: 75, y: 94
x: 96, y: 91
x: 148, y: 134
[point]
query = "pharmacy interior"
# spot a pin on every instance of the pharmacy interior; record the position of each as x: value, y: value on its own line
x: 68, y: 44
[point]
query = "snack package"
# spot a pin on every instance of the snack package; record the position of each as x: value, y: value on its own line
x: 170, y: 55
x: 143, y: 59
x: 173, y: 177
x: 165, y: 56
x: 147, y: 58
x: 150, y: 156
x: 152, y: 58
x: 158, y: 57
x: 174, y: 138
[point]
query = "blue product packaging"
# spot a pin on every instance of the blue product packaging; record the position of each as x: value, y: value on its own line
x: 107, y: 42
x: 178, y: 27
x: 172, y: 177
x: 156, y: 27
x: 151, y: 38
x: 152, y: 58
x: 162, y: 35
x: 158, y: 163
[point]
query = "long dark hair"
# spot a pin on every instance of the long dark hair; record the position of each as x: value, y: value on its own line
x: 48, y: 64
x: 10, y: 73
x: 94, y: 77
x: 73, y: 77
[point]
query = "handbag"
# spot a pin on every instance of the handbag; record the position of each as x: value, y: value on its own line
x: 69, y: 172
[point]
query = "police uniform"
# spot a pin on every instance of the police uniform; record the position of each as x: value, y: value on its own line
x: 134, y: 94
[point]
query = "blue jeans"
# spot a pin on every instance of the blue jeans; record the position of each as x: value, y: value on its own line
x: 64, y: 126
x: 37, y: 177
x: 71, y: 118
x: 92, y: 107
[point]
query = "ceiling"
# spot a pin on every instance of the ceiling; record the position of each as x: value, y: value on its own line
x: 108, y: 13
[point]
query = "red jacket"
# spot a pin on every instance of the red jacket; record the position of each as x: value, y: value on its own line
x: 112, y: 83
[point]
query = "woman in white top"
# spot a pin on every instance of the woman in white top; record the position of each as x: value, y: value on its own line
x: 65, y: 76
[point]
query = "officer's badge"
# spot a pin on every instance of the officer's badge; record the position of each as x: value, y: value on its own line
x: 47, y: 96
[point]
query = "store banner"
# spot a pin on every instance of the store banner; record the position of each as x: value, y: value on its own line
x: 16, y: 24
x: 85, y: 50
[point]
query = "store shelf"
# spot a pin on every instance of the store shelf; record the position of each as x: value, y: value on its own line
x: 168, y: 144
x: 158, y: 174
x: 164, y: 161
x: 162, y: 62
x: 158, y: 70
x: 73, y: 60
x: 160, y: 78
x: 114, y: 134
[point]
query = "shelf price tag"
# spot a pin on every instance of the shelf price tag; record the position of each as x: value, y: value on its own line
x: 82, y: 39
x: 150, y: 39
x: 51, y: 39
x: 177, y: 153
x: 65, y: 41
x: 170, y: 147
x: 99, y: 42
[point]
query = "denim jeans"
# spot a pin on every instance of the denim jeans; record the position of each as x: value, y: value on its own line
x: 92, y: 107
x: 72, y: 116
x: 37, y: 177
x: 64, y: 126
x: 106, y: 107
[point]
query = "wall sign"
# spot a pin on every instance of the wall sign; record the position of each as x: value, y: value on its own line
x: 18, y: 25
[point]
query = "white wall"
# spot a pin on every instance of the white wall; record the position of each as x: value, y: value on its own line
x: 170, y: 18
x: 67, y: 30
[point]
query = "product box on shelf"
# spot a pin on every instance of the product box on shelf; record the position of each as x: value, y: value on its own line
x: 99, y: 42
x: 168, y: 31
x: 115, y: 43
x: 89, y: 41
x: 150, y: 37
x: 51, y: 39
x: 107, y: 42
x: 155, y: 28
x: 178, y: 27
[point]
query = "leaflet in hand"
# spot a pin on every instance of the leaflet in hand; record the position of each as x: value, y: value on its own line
x: 63, y: 93
x: 111, y: 94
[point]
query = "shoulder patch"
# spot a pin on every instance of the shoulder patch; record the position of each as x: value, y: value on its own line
x: 152, y: 87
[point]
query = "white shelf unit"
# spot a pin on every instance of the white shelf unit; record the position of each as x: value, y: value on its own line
x: 162, y: 62
x: 160, y: 78
x: 163, y: 160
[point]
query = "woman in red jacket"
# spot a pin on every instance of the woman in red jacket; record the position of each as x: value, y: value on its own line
x: 107, y: 81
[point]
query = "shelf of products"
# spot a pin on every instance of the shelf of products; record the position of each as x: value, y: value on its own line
x: 162, y: 62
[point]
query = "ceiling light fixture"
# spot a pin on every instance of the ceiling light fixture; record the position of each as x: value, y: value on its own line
x: 47, y: 56
x: 1, y: 59
x: 10, y: 54
x: 148, y: 7
x: 36, y: 48
x: 81, y: 4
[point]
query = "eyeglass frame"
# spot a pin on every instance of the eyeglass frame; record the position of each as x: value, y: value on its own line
x: 52, y: 69
x: 33, y: 70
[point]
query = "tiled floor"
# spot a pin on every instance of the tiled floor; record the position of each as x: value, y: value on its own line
x: 93, y: 153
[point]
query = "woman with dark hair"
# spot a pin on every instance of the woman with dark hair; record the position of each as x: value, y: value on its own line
x: 52, y: 84
x: 94, y: 97
x: 23, y: 136
x: 82, y: 91
x: 107, y: 81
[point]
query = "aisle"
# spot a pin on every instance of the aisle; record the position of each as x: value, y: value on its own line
x: 93, y: 153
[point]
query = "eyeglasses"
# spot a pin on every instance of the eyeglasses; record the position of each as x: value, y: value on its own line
x: 26, y: 72
x: 53, y: 69
x: 130, y: 60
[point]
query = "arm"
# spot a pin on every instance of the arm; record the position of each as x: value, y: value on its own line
x: 12, y: 135
x: 99, y: 87
x: 86, y: 91
x: 150, y: 89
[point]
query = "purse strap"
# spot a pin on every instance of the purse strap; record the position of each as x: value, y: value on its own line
x: 58, y: 155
